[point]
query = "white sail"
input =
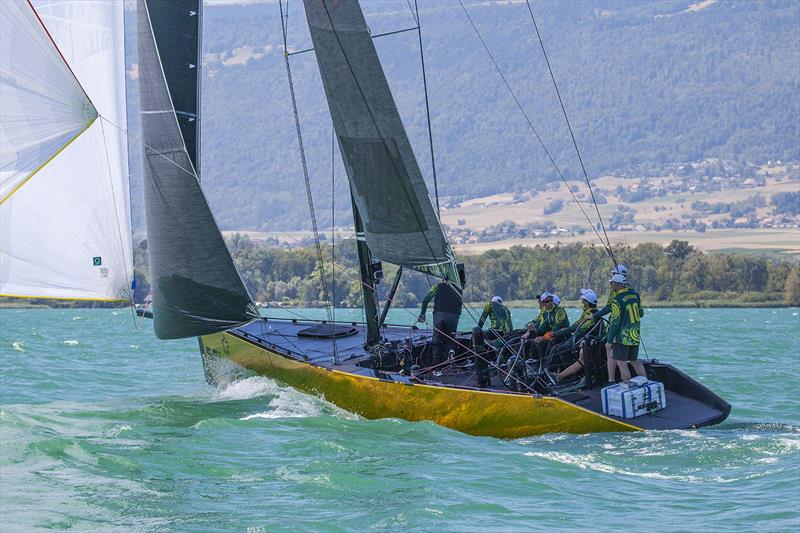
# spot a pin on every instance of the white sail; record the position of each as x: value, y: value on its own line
x: 64, y: 194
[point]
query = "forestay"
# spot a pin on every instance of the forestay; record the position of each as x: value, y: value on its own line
x: 400, y: 223
x: 196, y: 288
x: 64, y: 197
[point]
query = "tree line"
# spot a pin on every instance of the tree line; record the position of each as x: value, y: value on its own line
x: 677, y: 273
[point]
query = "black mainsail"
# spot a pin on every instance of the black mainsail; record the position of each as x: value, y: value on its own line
x: 196, y: 288
x: 399, y: 222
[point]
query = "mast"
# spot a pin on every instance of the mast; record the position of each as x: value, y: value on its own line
x: 366, y: 266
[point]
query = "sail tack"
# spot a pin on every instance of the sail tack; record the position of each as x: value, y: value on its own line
x: 64, y: 196
x: 400, y: 224
x: 196, y: 288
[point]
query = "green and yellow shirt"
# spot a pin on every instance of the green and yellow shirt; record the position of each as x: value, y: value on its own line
x: 584, y: 323
x: 499, y: 317
x: 626, y: 315
x: 551, y: 320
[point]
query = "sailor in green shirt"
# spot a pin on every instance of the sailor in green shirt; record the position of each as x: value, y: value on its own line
x: 623, y: 328
x: 551, y: 317
x: 610, y: 363
x: 499, y: 319
x: 619, y: 269
x: 578, y: 330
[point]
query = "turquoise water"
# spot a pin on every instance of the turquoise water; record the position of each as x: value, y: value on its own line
x: 103, y: 427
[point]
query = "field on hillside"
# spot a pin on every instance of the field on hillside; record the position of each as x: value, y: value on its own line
x: 775, y: 242
x: 480, y: 213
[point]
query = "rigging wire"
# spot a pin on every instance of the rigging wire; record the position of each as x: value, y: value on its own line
x: 118, y: 224
x: 333, y: 222
x: 571, y: 133
x: 310, y: 197
x: 533, y: 129
x: 427, y: 108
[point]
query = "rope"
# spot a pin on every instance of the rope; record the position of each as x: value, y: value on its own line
x: 571, y: 133
x: 307, y: 180
x: 533, y: 129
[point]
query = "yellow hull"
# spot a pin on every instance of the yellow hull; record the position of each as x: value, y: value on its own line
x: 503, y: 415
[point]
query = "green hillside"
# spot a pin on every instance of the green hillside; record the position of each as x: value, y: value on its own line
x: 647, y: 85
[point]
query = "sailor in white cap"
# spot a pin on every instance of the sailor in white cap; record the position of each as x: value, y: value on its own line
x: 624, y: 329
x: 551, y: 317
x: 583, y: 326
x: 499, y: 319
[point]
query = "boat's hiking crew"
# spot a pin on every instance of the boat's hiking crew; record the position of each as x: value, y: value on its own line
x: 551, y: 317
x: 623, y: 329
x: 575, y: 335
x: 447, y: 303
x: 500, y: 322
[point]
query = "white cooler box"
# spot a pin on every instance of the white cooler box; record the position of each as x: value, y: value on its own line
x: 632, y: 399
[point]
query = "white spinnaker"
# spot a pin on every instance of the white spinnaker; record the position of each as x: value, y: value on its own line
x: 65, y: 229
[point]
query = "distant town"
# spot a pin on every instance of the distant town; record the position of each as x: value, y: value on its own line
x: 712, y: 194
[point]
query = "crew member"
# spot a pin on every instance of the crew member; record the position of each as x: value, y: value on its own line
x: 611, y: 365
x: 578, y: 330
x: 552, y: 317
x: 446, y: 312
x: 618, y: 269
x: 623, y: 329
x: 499, y: 319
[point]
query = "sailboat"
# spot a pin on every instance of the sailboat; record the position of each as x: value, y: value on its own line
x: 65, y: 225
x: 370, y: 368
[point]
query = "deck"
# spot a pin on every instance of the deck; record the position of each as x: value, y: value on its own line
x: 692, y: 407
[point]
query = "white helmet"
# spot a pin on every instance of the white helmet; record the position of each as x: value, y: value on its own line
x: 620, y: 269
x: 589, y: 295
x: 618, y: 278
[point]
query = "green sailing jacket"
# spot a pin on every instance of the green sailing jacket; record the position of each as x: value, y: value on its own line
x: 626, y: 315
x: 584, y: 323
x: 606, y: 308
x: 499, y: 317
x: 550, y: 320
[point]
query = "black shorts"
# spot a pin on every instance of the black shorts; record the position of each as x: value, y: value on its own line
x: 623, y: 352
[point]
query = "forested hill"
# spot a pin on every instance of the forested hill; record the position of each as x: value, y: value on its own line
x: 646, y: 84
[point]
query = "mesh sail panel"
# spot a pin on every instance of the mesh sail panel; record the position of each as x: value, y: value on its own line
x: 64, y: 206
x: 400, y: 223
x: 196, y: 288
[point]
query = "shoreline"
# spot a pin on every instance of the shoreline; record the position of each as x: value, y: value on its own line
x: 515, y: 304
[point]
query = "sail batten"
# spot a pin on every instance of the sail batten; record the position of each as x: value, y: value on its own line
x: 196, y: 287
x: 400, y: 223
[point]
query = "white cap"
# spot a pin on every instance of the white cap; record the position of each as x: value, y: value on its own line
x: 497, y: 299
x: 589, y: 295
x: 620, y: 269
x: 618, y: 278
x: 545, y: 296
x: 556, y: 299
